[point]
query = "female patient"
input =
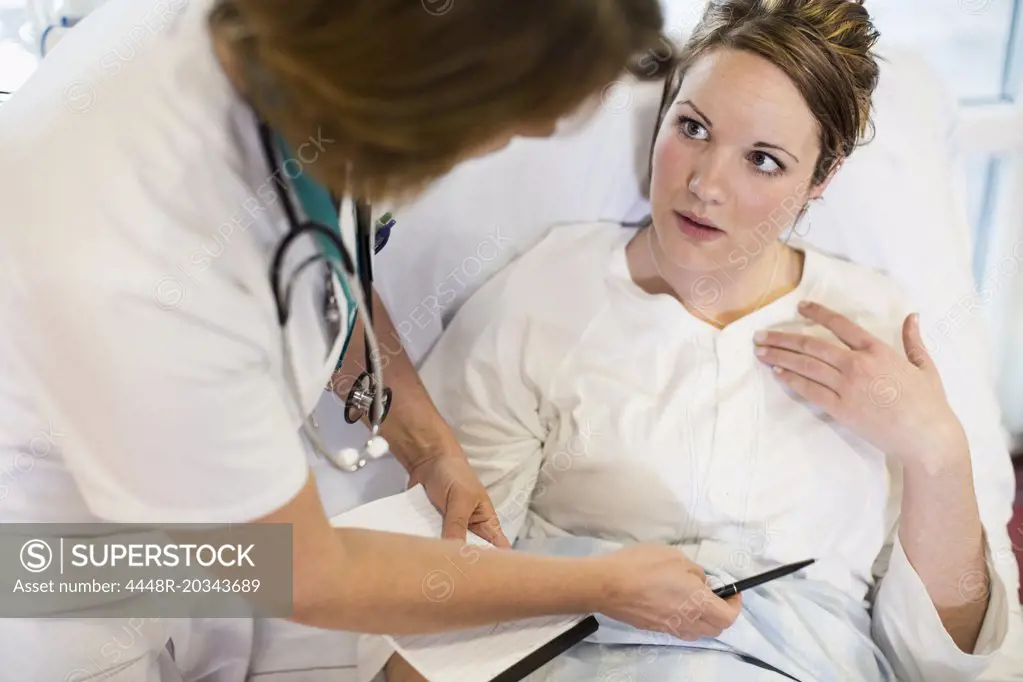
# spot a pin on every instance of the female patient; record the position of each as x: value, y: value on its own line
x: 703, y: 383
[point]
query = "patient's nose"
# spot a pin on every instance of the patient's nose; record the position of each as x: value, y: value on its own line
x: 708, y: 180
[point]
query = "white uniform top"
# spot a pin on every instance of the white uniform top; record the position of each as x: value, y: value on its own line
x: 141, y: 368
x: 601, y: 410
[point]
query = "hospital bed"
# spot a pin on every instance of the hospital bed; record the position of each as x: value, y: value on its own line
x: 900, y: 193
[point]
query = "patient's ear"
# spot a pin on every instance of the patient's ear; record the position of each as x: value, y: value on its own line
x: 818, y: 190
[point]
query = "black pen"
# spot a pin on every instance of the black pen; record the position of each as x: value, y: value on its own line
x: 731, y: 589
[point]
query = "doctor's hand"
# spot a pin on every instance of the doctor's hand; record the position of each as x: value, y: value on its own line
x: 893, y: 400
x: 657, y: 588
x: 456, y: 491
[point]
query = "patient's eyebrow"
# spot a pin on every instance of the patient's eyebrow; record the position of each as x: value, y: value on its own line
x: 757, y: 145
x: 704, y: 116
x: 768, y: 145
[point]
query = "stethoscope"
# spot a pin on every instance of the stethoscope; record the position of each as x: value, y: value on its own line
x: 368, y: 394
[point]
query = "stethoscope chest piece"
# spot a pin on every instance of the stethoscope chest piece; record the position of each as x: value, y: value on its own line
x: 360, y: 399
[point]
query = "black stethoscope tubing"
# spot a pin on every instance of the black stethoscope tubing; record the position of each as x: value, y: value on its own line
x: 364, y: 246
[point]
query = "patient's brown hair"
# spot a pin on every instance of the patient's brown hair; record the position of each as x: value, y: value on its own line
x: 824, y: 46
x: 405, y: 89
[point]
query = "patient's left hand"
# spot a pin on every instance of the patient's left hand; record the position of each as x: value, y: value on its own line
x: 456, y: 491
x: 894, y: 401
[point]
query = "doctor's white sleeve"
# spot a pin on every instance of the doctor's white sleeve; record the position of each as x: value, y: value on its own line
x: 482, y: 376
x: 172, y: 413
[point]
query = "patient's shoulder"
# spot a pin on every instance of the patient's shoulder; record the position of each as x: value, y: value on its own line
x: 560, y: 278
x: 856, y: 281
x: 553, y: 291
x: 583, y: 244
x: 871, y: 298
x: 570, y: 264
x: 539, y: 304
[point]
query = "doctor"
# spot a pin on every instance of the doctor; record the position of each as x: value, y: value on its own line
x: 144, y: 376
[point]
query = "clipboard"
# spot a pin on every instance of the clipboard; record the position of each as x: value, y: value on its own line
x: 548, y: 652
x: 519, y: 647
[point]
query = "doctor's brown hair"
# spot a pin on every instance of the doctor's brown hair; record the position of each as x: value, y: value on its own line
x: 405, y: 89
x: 823, y: 46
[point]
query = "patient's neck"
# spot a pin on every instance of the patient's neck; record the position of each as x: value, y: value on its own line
x: 724, y: 295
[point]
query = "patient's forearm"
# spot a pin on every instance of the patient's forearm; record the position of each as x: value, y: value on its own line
x: 942, y: 535
x: 396, y: 584
x: 413, y: 427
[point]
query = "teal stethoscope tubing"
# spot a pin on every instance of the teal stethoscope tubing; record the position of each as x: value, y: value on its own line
x: 355, y: 278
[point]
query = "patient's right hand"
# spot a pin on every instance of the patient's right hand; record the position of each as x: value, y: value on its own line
x: 658, y: 588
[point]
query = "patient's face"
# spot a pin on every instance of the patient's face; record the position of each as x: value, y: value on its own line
x: 736, y: 150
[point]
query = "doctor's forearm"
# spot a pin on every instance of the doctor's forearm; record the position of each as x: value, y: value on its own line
x: 395, y: 584
x: 941, y: 533
x: 414, y: 428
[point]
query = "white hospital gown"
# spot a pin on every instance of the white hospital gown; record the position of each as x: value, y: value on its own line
x: 591, y: 408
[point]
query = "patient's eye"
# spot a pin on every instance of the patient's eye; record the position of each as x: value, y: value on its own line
x: 765, y: 163
x: 691, y: 128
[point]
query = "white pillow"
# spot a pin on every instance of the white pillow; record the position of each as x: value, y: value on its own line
x: 487, y: 211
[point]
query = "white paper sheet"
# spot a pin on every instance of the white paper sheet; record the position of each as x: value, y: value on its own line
x: 476, y: 655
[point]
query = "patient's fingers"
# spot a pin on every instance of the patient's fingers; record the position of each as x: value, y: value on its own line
x: 825, y: 351
x: 817, y: 394
x: 852, y: 334
x: 804, y: 365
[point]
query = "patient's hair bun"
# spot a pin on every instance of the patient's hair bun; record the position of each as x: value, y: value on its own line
x: 825, y: 47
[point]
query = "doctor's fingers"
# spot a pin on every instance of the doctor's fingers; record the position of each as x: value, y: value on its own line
x: 699, y: 625
x: 697, y: 630
x: 457, y: 517
x: 720, y: 613
x: 709, y: 631
x: 489, y: 528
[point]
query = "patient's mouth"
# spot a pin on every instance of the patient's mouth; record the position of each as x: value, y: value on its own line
x: 696, y: 230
